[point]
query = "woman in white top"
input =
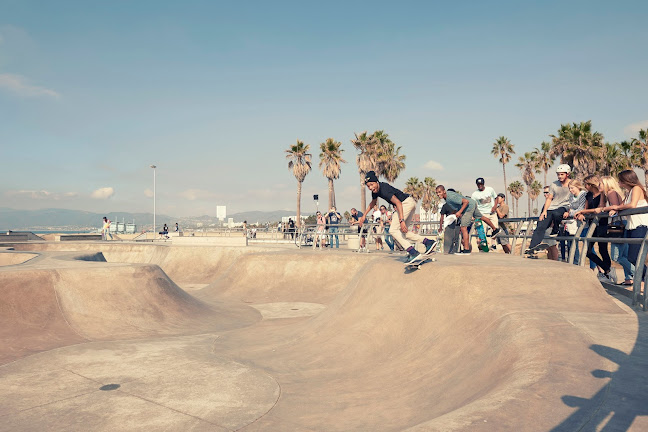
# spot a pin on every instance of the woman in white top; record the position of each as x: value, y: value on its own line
x: 636, y: 196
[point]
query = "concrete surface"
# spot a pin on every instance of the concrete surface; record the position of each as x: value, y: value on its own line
x: 278, y: 340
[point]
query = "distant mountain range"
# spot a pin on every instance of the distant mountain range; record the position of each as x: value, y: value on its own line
x: 11, y: 219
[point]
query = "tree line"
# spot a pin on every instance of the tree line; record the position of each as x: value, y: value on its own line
x: 578, y: 145
x: 575, y: 144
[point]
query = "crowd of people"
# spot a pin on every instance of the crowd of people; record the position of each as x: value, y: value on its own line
x: 568, y: 200
x: 568, y: 203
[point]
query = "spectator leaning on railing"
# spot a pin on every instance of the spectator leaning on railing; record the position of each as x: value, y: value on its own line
x: 618, y: 251
x: 596, y: 199
x: 333, y: 218
x: 637, y: 225
x: 577, y: 203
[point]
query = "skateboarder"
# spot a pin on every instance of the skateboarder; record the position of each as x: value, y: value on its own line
x: 405, y: 207
x: 486, y: 199
x: 466, y: 209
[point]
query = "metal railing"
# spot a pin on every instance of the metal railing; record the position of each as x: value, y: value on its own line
x: 587, y: 240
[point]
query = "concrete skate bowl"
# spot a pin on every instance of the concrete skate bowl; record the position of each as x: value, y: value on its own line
x: 448, y: 347
x: 13, y: 258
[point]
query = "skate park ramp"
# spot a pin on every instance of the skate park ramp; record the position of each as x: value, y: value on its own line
x: 486, y: 342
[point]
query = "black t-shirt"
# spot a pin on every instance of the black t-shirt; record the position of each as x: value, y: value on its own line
x: 447, y: 210
x: 387, y: 191
x: 334, y: 218
x: 592, y: 203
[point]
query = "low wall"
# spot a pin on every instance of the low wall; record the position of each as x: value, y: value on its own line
x: 78, y: 237
x: 211, y: 241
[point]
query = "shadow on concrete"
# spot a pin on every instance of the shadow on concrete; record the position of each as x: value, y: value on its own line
x: 625, y: 397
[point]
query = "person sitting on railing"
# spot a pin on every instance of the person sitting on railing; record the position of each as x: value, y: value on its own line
x: 596, y: 199
x: 466, y: 209
x: 637, y: 225
x: 618, y: 251
x: 556, y: 203
x: 406, y: 207
x: 577, y: 203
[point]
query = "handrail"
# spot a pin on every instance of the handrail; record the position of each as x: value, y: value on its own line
x: 589, y: 238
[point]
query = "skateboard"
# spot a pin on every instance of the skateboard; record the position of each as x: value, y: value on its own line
x: 483, y: 241
x: 417, y: 264
x: 533, y: 253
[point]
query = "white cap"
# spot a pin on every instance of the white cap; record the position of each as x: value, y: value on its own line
x: 564, y: 168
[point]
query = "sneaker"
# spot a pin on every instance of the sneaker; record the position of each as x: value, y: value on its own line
x: 463, y: 252
x: 603, y: 277
x: 429, y: 247
x: 496, y: 231
x: 493, y: 247
x: 411, y: 258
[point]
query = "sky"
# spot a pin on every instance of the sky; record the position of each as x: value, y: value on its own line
x: 214, y: 92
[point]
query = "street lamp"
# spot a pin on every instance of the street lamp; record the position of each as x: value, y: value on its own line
x: 153, y: 166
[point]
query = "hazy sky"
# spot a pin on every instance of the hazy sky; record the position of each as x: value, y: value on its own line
x: 213, y: 92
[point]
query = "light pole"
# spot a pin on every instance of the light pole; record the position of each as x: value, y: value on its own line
x: 153, y: 166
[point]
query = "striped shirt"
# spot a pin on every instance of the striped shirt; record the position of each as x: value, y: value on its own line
x: 577, y: 202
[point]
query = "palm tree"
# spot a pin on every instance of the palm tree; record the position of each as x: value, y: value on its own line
x: 430, y: 198
x: 516, y: 189
x: 640, y: 152
x: 300, y: 164
x: 527, y: 166
x: 414, y: 188
x: 579, y: 147
x: 390, y: 162
x: 534, y: 193
x: 543, y: 158
x: 331, y: 164
x: 615, y: 159
x: 503, y: 149
x: 366, y: 160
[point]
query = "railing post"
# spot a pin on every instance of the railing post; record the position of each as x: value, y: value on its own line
x: 590, y: 231
x: 638, y: 277
x: 574, y: 243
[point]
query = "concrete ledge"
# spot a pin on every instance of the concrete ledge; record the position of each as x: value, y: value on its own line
x: 211, y: 241
x: 78, y: 237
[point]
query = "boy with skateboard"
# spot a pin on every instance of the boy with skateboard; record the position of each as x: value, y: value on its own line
x: 405, y: 207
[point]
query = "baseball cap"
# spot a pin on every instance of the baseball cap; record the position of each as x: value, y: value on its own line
x: 480, y: 180
x: 564, y: 168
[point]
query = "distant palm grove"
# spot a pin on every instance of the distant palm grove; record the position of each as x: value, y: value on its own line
x: 575, y: 144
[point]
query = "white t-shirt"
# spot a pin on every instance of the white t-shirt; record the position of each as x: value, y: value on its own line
x: 376, y: 215
x: 485, y: 199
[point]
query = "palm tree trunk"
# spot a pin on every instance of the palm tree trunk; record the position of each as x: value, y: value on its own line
x: 331, y: 193
x: 363, y: 197
x: 646, y: 175
x: 505, y: 191
x: 545, y: 183
x: 529, y: 200
x: 299, y: 188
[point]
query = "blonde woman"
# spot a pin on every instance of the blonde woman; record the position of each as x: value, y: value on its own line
x: 637, y: 225
x: 595, y: 200
x: 618, y: 251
